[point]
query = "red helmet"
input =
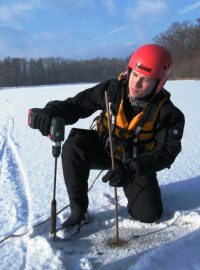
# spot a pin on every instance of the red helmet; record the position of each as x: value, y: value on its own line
x: 152, y: 60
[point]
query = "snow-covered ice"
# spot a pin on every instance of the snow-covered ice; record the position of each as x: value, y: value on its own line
x: 26, y: 177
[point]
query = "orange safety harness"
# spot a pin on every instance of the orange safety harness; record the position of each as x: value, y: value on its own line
x: 134, y: 137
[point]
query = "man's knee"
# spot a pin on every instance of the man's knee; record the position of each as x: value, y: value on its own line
x: 78, y: 140
x: 146, y: 214
x: 71, y: 146
x: 68, y: 144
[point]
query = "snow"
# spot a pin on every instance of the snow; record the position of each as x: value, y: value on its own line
x: 26, y: 175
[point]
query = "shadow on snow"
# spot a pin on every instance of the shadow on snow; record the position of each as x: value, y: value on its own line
x: 178, y: 196
x: 181, y: 196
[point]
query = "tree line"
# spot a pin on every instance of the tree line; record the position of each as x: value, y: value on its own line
x: 183, y: 42
x: 181, y: 39
x: 55, y: 70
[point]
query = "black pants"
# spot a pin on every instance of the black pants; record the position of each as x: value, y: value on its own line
x: 82, y: 152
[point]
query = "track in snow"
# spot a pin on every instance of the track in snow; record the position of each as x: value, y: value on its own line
x: 14, y: 183
x: 17, y: 213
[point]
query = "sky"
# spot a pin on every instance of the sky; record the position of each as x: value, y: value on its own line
x: 86, y: 29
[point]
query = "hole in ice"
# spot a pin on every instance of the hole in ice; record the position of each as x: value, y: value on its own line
x: 114, y: 243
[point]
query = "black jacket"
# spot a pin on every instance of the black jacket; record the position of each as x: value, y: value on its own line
x: 168, y: 130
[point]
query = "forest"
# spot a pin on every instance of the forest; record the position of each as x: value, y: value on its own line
x: 181, y: 39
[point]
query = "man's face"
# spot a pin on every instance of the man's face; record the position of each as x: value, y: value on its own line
x: 140, y: 85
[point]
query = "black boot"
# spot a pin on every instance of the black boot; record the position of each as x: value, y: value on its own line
x: 74, y: 220
x: 79, y: 213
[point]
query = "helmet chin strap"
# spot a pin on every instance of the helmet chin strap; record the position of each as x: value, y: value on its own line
x: 156, y: 86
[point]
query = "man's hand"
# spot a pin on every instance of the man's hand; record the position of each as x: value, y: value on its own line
x: 43, y: 119
x: 120, y: 176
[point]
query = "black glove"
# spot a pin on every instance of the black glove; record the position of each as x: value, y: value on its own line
x: 43, y: 118
x: 120, y: 176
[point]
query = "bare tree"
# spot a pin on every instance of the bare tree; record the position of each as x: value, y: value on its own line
x: 183, y: 41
